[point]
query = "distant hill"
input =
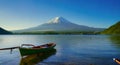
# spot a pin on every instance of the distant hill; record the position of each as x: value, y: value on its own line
x: 114, y: 29
x: 60, y: 24
x: 3, y: 31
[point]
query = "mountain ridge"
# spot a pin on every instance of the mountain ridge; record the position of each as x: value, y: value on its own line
x: 60, y: 24
x: 114, y: 29
x: 3, y: 31
x: 58, y: 20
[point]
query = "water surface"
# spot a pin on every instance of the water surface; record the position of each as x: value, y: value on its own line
x: 70, y: 49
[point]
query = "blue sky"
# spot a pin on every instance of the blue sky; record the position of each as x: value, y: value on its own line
x: 20, y: 14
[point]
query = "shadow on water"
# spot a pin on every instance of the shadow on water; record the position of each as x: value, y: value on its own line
x: 36, y: 58
x: 116, y: 40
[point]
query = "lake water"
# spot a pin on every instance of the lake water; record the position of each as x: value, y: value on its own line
x: 70, y: 49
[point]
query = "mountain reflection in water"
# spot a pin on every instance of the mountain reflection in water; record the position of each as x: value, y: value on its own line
x: 36, y: 58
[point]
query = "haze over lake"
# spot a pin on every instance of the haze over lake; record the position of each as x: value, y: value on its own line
x: 70, y: 49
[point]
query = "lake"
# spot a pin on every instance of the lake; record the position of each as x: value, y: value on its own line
x: 70, y: 49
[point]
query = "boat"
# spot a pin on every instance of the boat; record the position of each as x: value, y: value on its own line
x: 116, y: 60
x: 36, y: 58
x: 32, y: 49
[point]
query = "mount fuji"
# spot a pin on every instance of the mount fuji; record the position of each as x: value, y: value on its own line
x: 60, y: 24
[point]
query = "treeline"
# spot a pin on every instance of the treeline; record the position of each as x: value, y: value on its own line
x: 53, y: 32
x: 114, y: 29
x: 3, y: 31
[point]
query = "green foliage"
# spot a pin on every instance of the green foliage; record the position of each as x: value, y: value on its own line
x: 2, y: 31
x: 114, y: 29
x: 61, y: 32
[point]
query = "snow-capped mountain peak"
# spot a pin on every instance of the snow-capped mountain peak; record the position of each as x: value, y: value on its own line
x: 58, y: 20
x: 60, y: 24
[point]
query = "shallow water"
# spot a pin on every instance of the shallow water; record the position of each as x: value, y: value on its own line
x: 70, y: 49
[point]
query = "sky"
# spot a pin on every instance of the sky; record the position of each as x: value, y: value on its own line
x: 20, y: 14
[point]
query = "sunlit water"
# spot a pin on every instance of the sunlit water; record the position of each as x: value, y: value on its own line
x: 71, y: 49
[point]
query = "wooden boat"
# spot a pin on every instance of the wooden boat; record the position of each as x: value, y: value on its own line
x: 116, y: 60
x: 36, y: 58
x: 35, y: 49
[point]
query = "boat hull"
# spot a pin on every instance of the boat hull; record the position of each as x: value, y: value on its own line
x: 36, y: 58
x: 29, y: 51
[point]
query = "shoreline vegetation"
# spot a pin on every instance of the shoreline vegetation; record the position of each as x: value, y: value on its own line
x: 4, y: 32
x: 112, y: 30
x: 59, y: 33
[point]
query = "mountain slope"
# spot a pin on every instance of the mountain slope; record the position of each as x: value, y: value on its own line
x: 3, y: 31
x: 60, y: 24
x: 114, y: 29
